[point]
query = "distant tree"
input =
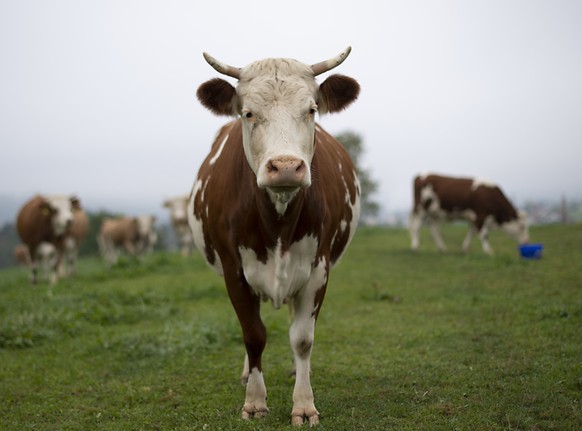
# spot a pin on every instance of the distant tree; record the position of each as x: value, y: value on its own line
x: 8, y: 239
x: 352, y: 141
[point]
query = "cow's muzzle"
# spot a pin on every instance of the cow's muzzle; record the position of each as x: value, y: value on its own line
x: 286, y: 173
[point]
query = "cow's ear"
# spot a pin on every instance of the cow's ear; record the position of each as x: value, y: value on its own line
x: 336, y: 93
x: 75, y: 203
x: 218, y: 96
x: 45, y: 209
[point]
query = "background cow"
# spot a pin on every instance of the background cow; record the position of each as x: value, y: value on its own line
x: 483, y: 204
x: 275, y: 204
x: 78, y: 233
x: 135, y: 235
x: 21, y: 255
x: 46, y: 219
x: 178, y: 207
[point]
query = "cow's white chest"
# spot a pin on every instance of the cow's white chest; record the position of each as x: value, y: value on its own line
x: 284, y: 273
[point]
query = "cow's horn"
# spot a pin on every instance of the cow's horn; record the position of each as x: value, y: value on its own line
x: 324, y: 66
x: 225, y: 69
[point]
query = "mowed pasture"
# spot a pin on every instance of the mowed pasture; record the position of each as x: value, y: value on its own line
x: 405, y: 341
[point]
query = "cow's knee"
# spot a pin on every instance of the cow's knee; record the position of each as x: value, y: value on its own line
x: 302, y: 346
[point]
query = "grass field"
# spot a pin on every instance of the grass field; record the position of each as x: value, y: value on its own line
x: 405, y: 341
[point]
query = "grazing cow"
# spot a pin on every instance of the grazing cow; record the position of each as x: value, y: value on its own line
x: 46, y: 219
x: 275, y: 205
x: 178, y: 207
x: 79, y: 231
x: 135, y: 235
x: 482, y: 203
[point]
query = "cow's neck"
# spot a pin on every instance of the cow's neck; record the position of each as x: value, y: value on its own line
x: 277, y: 226
x: 281, y: 200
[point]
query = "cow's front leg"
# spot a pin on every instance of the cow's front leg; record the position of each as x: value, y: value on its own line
x: 301, y: 335
x: 414, y: 225
x: 53, y: 265
x: 34, y: 271
x: 247, y: 307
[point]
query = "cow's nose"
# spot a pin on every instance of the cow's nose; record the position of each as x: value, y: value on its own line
x: 286, y: 172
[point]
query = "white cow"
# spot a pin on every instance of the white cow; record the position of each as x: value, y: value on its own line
x: 178, y: 207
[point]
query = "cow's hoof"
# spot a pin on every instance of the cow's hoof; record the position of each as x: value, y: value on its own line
x: 299, y: 420
x: 311, y: 417
x: 251, y: 411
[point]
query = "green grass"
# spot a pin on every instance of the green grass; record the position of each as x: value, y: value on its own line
x: 405, y: 341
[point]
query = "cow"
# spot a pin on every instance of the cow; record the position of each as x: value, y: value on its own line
x: 178, y: 207
x: 275, y: 204
x: 46, y: 219
x: 482, y: 203
x: 79, y: 231
x: 135, y: 235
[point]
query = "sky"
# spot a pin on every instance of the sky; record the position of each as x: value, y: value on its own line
x: 97, y: 98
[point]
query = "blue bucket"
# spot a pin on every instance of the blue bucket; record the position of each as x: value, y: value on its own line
x: 531, y: 251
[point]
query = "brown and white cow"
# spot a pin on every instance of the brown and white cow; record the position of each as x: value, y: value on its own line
x: 135, y: 235
x: 46, y: 219
x: 178, y: 207
x: 482, y: 203
x: 275, y: 205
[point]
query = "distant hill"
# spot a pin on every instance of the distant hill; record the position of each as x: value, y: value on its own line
x: 9, y: 206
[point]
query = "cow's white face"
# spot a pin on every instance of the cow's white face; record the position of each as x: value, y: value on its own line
x: 61, y: 210
x: 277, y: 100
x: 278, y: 105
x: 178, y: 207
x: 518, y: 228
x: 145, y: 225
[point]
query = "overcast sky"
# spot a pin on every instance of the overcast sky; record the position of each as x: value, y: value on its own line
x: 98, y: 98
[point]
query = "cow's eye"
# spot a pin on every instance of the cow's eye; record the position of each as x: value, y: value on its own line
x: 312, y: 110
x: 248, y: 115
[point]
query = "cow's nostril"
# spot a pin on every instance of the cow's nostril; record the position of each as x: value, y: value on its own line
x: 271, y: 167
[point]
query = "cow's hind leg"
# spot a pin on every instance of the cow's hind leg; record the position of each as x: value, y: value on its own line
x: 468, y: 238
x: 436, y: 234
x: 484, y: 237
